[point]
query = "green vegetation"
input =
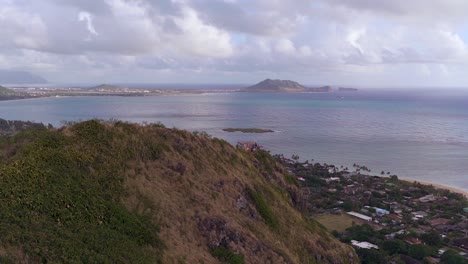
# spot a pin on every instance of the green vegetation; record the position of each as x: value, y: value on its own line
x: 371, y: 256
x: 61, y: 205
x: 5, y: 91
x: 263, y: 209
x: 227, y: 256
x: 248, y: 130
x: 337, y: 222
x: 419, y: 251
x: 114, y: 192
x: 451, y: 257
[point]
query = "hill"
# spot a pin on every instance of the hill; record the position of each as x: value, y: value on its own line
x: 269, y: 85
x: 20, y: 77
x: 6, y: 92
x: 116, y: 192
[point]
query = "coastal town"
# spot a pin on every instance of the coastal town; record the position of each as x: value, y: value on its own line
x: 386, y: 219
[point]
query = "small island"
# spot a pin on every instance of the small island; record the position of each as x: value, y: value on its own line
x: 248, y: 130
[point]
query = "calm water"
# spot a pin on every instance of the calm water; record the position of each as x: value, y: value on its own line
x: 420, y: 135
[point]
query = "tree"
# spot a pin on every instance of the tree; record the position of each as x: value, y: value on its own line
x: 418, y: 251
x: 396, y: 246
x: 371, y: 256
x: 451, y: 257
x: 347, y: 205
x: 432, y: 238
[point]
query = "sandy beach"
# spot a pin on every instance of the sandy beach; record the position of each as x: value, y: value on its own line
x: 436, y: 185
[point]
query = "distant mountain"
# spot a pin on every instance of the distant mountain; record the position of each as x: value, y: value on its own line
x: 20, y: 77
x: 272, y: 86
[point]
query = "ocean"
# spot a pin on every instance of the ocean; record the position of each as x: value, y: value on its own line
x: 415, y: 134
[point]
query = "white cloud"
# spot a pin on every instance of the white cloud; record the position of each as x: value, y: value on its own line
x: 353, y: 38
x: 343, y: 40
x: 200, y: 39
x: 86, y: 17
x: 285, y: 46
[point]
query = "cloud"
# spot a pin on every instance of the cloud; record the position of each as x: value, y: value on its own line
x: 335, y: 39
x: 86, y: 17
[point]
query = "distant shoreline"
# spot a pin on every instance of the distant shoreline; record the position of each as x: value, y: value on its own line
x: 436, y: 185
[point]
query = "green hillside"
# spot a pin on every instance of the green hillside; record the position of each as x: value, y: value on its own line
x: 6, y: 92
x: 112, y: 192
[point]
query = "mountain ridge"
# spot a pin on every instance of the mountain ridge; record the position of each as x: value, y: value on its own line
x: 166, y: 195
x: 20, y: 77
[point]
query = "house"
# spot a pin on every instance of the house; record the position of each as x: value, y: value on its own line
x: 441, y: 251
x: 461, y: 243
x: 392, y: 235
x: 439, y: 221
x: 427, y: 198
x: 395, y: 218
x: 446, y: 228
x: 365, y: 245
x: 332, y: 179
x: 380, y: 211
x: 360, y: 216
x: 413, y: 241
x: 419, y: 214
x: 248, y: 146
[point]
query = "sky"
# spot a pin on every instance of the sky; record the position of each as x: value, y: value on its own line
x: 363, y: 43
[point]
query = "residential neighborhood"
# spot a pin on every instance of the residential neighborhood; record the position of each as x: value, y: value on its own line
x: 384, y: 218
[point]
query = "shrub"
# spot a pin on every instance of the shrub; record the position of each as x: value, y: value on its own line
x: 227, y: 256
x: 263, y: 209
x: 61, y: 201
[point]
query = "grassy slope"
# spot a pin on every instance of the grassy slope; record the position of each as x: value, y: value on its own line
x: 127, y: 193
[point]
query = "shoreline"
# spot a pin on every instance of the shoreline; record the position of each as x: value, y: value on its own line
x: 436, y: 185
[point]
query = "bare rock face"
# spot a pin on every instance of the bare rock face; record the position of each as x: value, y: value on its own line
x: 220, y: 234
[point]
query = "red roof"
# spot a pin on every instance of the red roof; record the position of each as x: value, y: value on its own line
x: 394, y: 217
x: 413, y: 240
x: 439, y: 221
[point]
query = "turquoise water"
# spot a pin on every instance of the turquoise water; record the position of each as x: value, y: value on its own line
x: 422, y: 135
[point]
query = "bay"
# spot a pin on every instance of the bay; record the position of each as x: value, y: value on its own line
x: 416, y: 134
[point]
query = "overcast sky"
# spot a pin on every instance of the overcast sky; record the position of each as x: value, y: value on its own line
x: 337, y: 42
